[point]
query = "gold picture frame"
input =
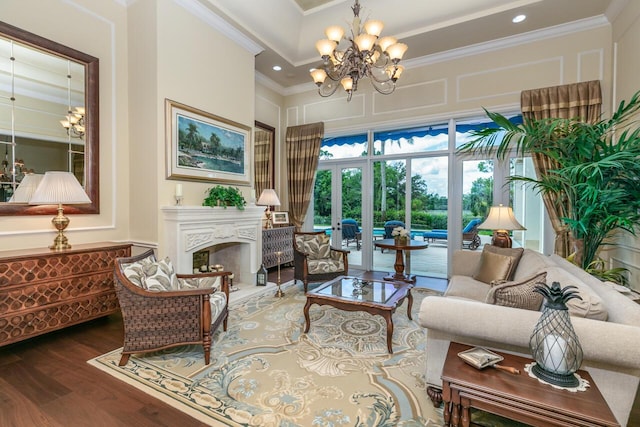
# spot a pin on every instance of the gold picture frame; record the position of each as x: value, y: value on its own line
x: 204, y: 147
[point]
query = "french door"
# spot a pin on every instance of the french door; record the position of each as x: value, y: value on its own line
x: 339, y: 194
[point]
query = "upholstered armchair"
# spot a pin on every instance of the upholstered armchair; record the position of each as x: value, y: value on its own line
x: 162, y: 309
x: 315, y: 260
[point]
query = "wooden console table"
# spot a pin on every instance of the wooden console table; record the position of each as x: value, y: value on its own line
x: 43, y: 290
x: 517, y: 397
x: 277, y: 239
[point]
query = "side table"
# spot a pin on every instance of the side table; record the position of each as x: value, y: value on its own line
x: 277, y: 239
x: 517, y: 397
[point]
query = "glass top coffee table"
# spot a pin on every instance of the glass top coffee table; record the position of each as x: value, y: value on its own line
x: 353, y: 294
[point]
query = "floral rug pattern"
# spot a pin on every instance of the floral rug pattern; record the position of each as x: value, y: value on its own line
x: 265, y: 371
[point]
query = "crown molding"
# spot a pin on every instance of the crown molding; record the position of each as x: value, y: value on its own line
x: 206, y: 15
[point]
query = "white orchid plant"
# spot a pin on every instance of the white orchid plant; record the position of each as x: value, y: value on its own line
x: 400, y: 232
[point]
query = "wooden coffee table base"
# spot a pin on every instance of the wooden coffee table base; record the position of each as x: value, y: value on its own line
x: 517, y: 397
x: 385, y: 310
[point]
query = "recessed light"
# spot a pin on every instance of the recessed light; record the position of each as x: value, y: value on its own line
x: 277, y: 68
x: 519, y: 18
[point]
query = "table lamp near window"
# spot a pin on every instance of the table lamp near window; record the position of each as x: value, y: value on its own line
x: 268, y: 198
x: 61, y: 188
x: 501, y: 220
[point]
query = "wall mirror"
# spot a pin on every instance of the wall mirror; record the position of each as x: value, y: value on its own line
x: 264, y: 157
x: 48, y: 119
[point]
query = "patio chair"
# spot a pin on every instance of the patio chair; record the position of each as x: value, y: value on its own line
x: 161, y: 309
x: 315, y: 260
x: 351, y: 232
x: 470, y: 237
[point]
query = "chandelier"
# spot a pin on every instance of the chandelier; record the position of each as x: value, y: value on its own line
x: 366, y: 55
x: 74, y: 122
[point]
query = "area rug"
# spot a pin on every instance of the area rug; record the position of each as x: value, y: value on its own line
x: 265, y: 371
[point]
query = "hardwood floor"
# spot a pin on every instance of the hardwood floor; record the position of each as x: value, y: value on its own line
x: 46, y: 381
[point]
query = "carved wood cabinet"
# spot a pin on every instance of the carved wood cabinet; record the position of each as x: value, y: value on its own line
x: 43, y: 290
x: 279, y: 239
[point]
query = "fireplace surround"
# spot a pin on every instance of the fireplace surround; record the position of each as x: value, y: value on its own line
x: 233, y: 236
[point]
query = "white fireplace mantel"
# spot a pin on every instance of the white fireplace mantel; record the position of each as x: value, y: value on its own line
x: 188, y: 229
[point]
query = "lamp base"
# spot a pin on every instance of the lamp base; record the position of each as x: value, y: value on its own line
x: 60, y: 222
x: 566, y: 380
x: 501, y: 239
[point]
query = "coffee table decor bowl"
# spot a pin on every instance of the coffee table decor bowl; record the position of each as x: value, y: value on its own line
x: 554, y: 344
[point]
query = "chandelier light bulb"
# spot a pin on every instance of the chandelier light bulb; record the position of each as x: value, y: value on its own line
x: 319, y: 75
x: 385, y: 42
x: 347, y: 83
x: 334, y: 33
x: 373, y: 27
x: 396, y: 51
x: 365, y: 42
x: 325, y: 47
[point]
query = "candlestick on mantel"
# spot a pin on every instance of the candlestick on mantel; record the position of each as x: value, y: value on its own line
x: 178, y: 194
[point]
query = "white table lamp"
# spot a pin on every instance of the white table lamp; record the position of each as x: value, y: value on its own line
x: 268, y: 198
x: 59, y: 188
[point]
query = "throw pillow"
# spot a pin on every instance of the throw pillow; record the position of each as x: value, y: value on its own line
x: 135, y: 271
x: 493, y: 267
x: 160, y: 276
x: 518, y: 294
x: 514, y: 253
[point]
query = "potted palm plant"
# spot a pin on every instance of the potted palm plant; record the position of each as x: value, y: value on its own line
x: 597, y: 176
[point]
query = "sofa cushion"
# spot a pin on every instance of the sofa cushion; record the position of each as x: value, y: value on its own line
x: 493, y: 267
x: 518, y: 294
x: 590, y: 306
x: 514, y: 253
x: 467, y: 287
x: 532, y: 262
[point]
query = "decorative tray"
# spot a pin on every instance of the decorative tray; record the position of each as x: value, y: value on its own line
x: 480, y: 357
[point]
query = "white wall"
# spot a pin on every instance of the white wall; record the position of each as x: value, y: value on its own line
x: 98, y: 29
x: 626, y: 36
x: 173, y: 52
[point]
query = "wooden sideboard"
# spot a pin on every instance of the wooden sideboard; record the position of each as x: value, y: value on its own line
x: 43, y: 290
x: 278, y: 239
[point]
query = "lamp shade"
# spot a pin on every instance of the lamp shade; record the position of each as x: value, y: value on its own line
x: 268, y: 197
x: 501, y: 218
x: 59, y: 188
x: 26, y: 188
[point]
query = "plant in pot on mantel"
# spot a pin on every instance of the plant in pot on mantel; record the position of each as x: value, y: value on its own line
x: 596, y: 176
x: 224, y: 196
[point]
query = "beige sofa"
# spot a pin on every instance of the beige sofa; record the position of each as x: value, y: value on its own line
x: 611, y: 347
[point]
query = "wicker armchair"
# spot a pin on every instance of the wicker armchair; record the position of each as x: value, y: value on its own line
x: 157, y: 319
x: 315, y: 260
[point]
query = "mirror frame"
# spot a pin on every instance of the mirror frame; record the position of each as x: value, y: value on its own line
x: 265, y: 127
x: 92, y: 134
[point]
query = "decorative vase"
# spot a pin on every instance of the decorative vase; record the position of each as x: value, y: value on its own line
x: 554, y: 344
x: 400, y: 240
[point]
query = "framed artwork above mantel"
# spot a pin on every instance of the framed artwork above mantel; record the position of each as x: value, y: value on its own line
x: 205, y: 147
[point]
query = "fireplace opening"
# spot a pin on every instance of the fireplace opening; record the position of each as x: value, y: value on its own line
x: 230, y: 255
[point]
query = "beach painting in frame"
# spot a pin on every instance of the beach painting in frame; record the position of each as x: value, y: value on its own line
x: 205, y: 147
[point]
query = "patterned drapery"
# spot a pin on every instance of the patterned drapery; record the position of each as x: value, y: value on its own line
x: 578, y: 100
x: 303, y: 150
x: 262, y: 160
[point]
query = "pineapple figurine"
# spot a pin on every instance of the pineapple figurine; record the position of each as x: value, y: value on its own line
x: 554, y: 344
